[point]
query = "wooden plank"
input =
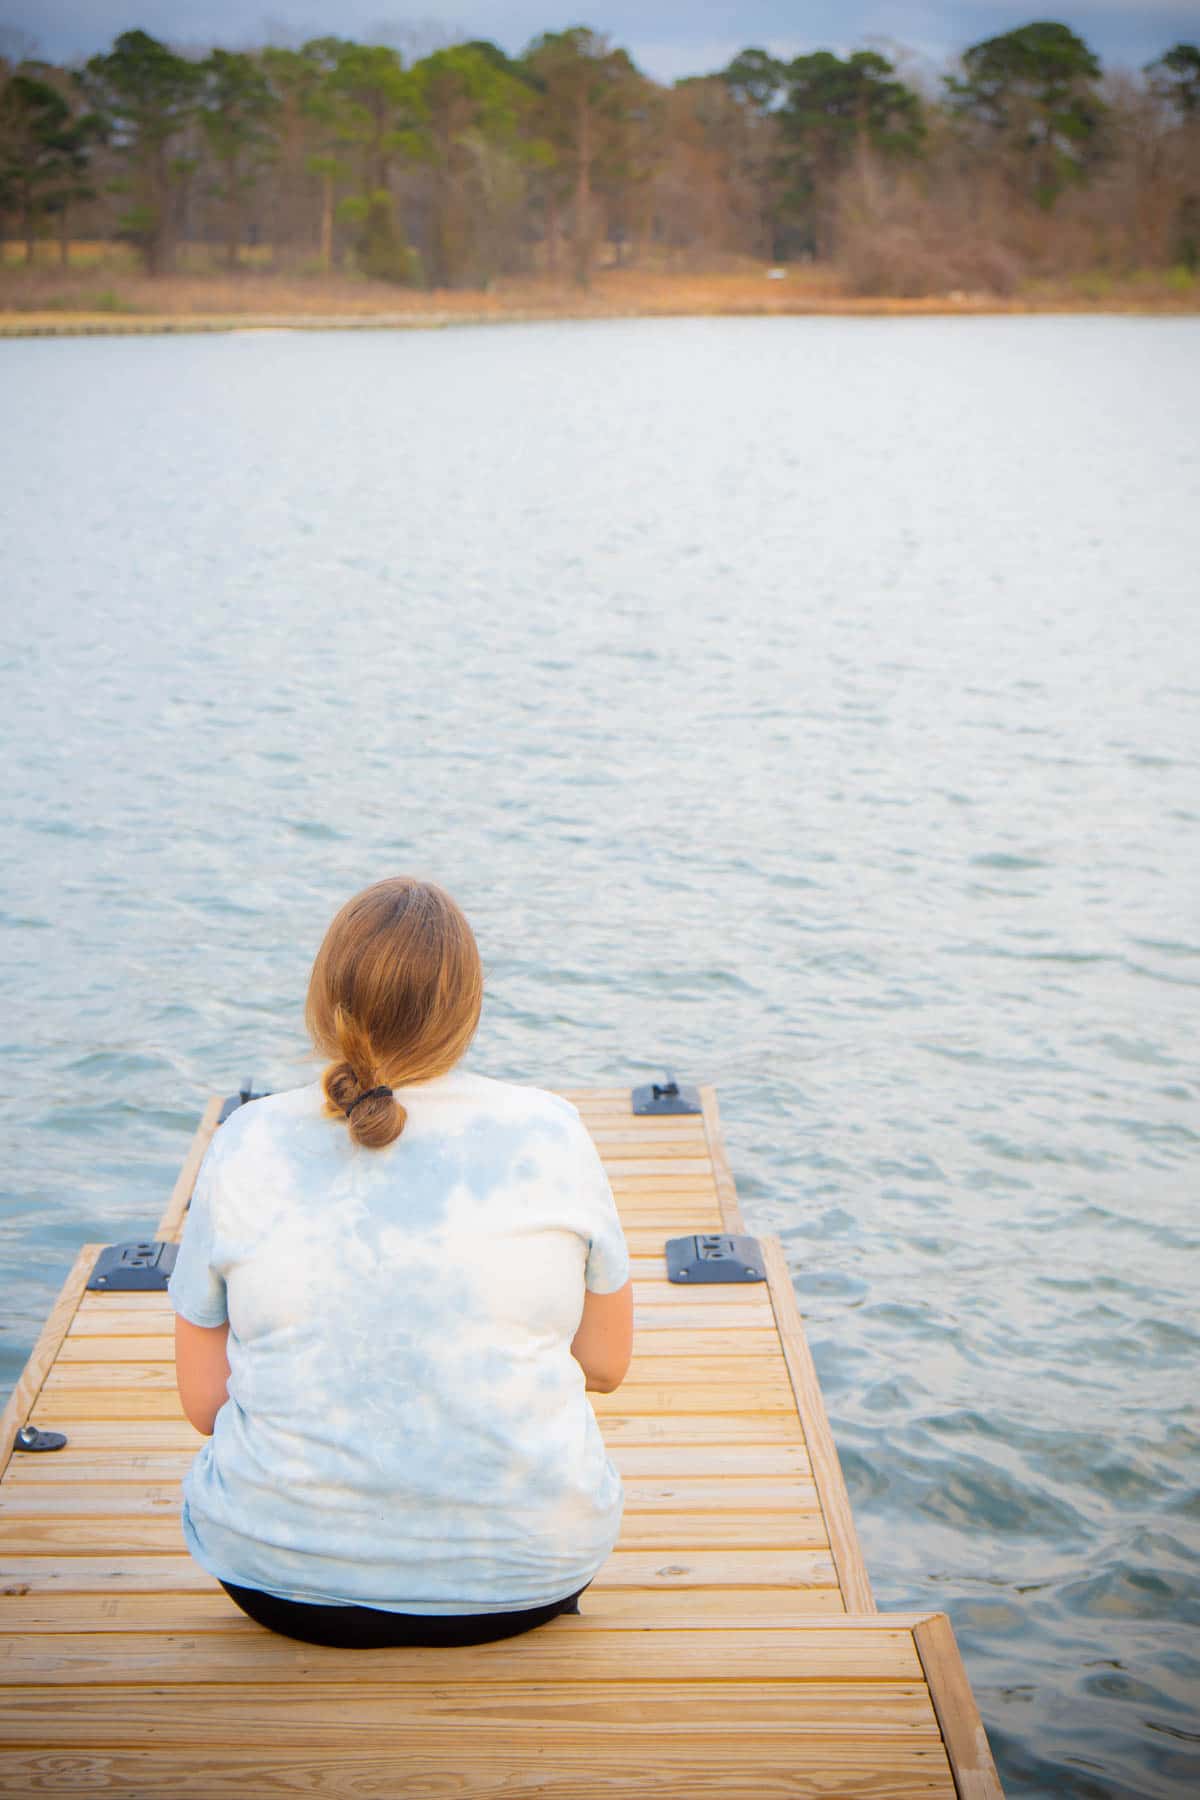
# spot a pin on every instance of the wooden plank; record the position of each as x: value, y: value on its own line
x: 115, y: 1315
x: 695, y: 1342
x: 853, y: 1673
x: 615, y: 1609
x: 136, y: 1437
x: 660, y: 1137
x: 714, y: 1491
x: 699, y: 1343
x: 40, y: 1610
x: 79, y: 1347
x: 699, y: 1428
x: 91, y: 1499
x: 114, y: 1321
x: 611, y: 1096
x: 170, y: 1226
x: 57, y: 1574
x: 731, y: 1396
x: 657, y: 1493
x: 727, y: 1196
x: 66, y: 1536
x: 155, y: 1398
x: 361, y: 1772
x: 798, y: 1528
x: 663, y: 1158
x: 718, y: 1568
x: 310, y: 1709
x: 59, y: 1570
x: 30, y: 1382
x: 112, y: 1378
x: 668, y: 1217
x: 651, y: 1287
x: 666, y: 1460
x: 827, y: 1469
x: 689, y: 1313
x: 79, y: 1468
x: 620, y: 1112
x: 657, y: 1167
x: 765, y: 1375
x: 659, y: 1459
x: 664, y: 1184
x: 651, y: 1240
x: 149, y: 1300
x: 958, y: 1716
x: 45, y: 1531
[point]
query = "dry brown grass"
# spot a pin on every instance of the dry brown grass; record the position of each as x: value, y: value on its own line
x: 103, y: 290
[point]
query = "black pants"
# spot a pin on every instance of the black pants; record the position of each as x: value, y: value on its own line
x: 371, y: 1628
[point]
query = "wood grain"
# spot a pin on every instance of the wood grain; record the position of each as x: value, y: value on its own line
x: 208, y: 1607
x: 359, y: 1772
x: 958, y: 1716
x: 826, y: 1467
x: 731, y: 1212
x: 729, y: 1645
x: 41, y: 1362
x: 842, y: 1669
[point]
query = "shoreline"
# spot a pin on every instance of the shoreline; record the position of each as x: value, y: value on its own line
x: 85, y: 323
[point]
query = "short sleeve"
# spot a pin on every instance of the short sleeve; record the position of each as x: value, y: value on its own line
x: 608, y: 1254
x: 195, y: 1287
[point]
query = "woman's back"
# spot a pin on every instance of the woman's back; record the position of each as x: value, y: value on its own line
x: 406, y: 1425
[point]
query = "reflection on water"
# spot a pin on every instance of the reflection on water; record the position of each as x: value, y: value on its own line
x: 808, y: 705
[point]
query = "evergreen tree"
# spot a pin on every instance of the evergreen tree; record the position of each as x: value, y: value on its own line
x: 586, y: 90
x: 44, y: 150
x: 375, y: 114
x: 832, y: 109
x: 1032, y: 94
x: 237, y: 113
x: 1175, y: 79
x: 147, y: 97
x: 473, y: 102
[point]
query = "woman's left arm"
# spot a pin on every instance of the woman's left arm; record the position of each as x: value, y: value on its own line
x: 201, y: 1370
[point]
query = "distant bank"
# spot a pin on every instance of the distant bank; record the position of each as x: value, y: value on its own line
x: 100, y: 324
x: 42, y: 304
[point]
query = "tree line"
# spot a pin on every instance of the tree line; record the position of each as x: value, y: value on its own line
x: 465, y: 164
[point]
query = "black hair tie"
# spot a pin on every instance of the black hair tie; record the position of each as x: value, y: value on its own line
x: 371, y: 1094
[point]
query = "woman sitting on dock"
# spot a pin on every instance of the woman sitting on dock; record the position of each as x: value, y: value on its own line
x: 392, y: 1289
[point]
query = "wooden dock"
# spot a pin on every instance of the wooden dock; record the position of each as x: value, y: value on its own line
x: 730, y: 1645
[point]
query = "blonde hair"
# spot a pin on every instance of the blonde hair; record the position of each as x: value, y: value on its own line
x: 394, y: 998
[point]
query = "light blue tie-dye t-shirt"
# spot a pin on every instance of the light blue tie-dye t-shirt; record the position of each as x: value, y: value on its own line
x: 406, y: 1427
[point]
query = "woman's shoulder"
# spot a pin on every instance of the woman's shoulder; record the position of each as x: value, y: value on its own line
x: 259, y: 1120
x: 507, y: 1099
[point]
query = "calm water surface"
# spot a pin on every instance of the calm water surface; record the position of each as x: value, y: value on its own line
x: 806, y: 705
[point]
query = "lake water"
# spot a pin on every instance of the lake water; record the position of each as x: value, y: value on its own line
x: 808, y: 705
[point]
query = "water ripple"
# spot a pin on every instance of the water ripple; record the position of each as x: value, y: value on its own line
x: 774, y: 727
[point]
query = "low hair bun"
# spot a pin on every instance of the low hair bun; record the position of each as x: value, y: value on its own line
x: 393, y: 999
x: 378, y: 1120
x: 374, y: 1117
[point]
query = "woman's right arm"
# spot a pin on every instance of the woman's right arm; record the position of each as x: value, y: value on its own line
x: 603, y: 1345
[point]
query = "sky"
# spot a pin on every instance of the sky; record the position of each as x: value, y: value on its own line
x: 667, y: 38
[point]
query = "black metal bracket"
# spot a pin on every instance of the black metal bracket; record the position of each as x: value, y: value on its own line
x: 139, y: 1267
x: 666, y: 1097
x: 30, y: 1438
x: 243, y: 1096
x: 714, y: 1256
